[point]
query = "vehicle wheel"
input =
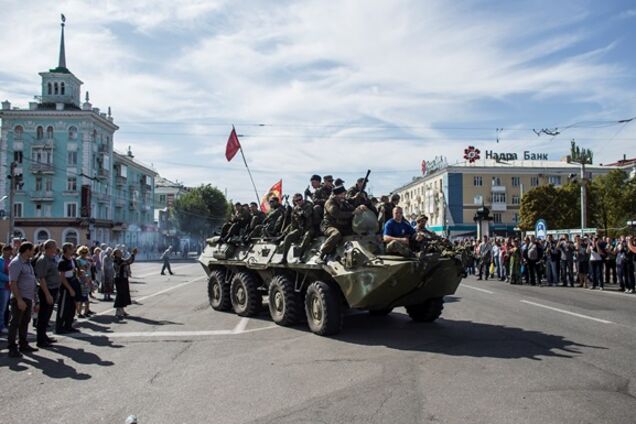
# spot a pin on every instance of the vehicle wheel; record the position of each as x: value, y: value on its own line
x: 323, y: 309
x: 219, y: 292
x: 285, y: 305
x: 380, y: 312
x: 428, y: 311
x: 246, y: 300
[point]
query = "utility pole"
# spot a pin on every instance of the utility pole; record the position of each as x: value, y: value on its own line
x: 12, y: 179
x: 583, y: 198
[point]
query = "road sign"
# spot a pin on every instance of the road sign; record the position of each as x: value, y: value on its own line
x: 541, y: 229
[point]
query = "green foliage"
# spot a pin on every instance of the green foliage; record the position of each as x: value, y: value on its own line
x: 580, y: 155
x: 201, y: 210
x: 614, y: 200
x: 610, y: 203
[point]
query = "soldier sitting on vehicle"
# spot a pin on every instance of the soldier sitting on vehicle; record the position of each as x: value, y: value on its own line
x: 238, y: 222
x: 397, y: 234
x: 301, y: 227
x: 357, y: 196
x: 257, y: 216
x: 271, y: 224
x: 337, y: 221
x: 385, y: 210
x: 423, y: 236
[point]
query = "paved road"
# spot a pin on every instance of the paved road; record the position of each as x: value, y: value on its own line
x: 501, y: 354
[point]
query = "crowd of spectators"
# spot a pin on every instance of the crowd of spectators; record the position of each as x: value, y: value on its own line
x: 591, y: 261
x: 37, y: 279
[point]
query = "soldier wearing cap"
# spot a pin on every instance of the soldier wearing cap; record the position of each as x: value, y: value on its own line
x: 301, y: 228
x: 256, y: 216
x: 422, y: 235
x: 337, y: 220
x: 320, y: 197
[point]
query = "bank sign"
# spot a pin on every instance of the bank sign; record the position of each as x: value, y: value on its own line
x: 527, y: 155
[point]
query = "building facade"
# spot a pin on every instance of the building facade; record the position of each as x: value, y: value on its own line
x: 166, y: 193
x: 451, y: 194
x: 58, y: 176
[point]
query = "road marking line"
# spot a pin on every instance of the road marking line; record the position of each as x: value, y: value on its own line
x: 476, y: 288
x: 563, y: 311
x: 152, y: 334
x: 240, y: 327
x: 156, y: 273
x: 108, y: 311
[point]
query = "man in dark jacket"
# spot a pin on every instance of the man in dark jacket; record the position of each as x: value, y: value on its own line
x: 337, y: 220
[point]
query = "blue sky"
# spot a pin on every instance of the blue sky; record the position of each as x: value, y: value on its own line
x: 340, y: 86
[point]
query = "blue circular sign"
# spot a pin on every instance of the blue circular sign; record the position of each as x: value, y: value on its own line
x: 541, y: 229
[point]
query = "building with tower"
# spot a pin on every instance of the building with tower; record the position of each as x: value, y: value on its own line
x: 61, y: 169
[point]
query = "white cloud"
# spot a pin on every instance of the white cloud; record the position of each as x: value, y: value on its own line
x: 352, y: 85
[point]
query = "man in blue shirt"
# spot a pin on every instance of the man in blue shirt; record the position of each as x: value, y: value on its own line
x: 397, y: 234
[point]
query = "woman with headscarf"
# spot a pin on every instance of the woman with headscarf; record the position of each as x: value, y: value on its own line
x: 122, y: 272
x: 108, y: 273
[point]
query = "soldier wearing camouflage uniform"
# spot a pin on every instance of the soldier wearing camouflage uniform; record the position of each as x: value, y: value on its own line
x: 257, y: 216
x: 337, y: 221
x: 385, y: 211
x: 357, y: 196
x: 301, y: 227
x: 320, y: 197
x: 271, y: 225
x: 239, y: 221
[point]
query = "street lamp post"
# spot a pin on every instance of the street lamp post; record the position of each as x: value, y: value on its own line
x: 14, y: 165
x: 583, y: 198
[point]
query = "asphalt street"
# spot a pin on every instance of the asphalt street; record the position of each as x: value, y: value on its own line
x: 499, y: 354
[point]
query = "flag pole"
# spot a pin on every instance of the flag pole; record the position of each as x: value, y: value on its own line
x: 258, y: 200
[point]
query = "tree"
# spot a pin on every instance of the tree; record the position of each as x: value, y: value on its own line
x: 614, y: 200
x: 540, y: 203
x: 579, y: 155
x: 201, y: 211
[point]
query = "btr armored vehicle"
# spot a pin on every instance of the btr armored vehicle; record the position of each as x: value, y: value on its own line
x: 358, y: 276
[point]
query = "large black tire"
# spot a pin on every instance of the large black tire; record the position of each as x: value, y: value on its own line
x: 428, y: 311
x: 380, y: 312
x: 245, y: 297
x: 285, y: 305
x: 323, y: 308
x: 219, y: 292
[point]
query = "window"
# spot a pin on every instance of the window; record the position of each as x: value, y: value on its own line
x: 49, y: 133
x: 48, y: 184
x: 554, y: 180
x: 47, y: 211
x: 478, y: 199
x: 72, y: 133
x: 496, y: 218
x: 38, y: 184
x: 50, y: 89
x: 18, y: 131
x: 516, y: 181
x: 62, y: 88
x: 38, y: 210
x: 72, y: 158
x: 94, y: 136
x: 71, y: 236
x: 55, y: 88
x: 41, y: 236
x: 515, y: 218
x: 516, y: 199
x: 534, y: 181
x: 162, y: 198
x: 17, y: 210
x: 496, y: 181
x: 39, y: 133
x: 71, y: 184
x: 42, y: 156
x: 478, y: 181
x: 499, y: 197
x: 71, y: 210
x: 17, y: 156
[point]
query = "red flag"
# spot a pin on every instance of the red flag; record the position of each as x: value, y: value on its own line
x: 275, y: 191
x: 424, y: 166
x: 233, y: 146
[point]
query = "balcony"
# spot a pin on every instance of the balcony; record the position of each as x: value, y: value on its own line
x: 43, y: 144
x: 102, y: 197
x: 132, y: 205
x: 120, y: 181
x: 102, y: 173
x: 42, y: 168
x: 119, y: 202
x: 498, y: 189
x: 42, y: 196
x: 498, y: 207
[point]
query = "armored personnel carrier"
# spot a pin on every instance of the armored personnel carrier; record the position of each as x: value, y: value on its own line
x: 358, y: 276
